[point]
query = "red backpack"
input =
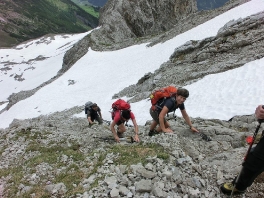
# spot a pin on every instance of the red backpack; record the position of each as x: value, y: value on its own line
x: 162, y: 93
x: 120, y: 104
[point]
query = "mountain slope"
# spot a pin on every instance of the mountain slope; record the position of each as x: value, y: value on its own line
x: 96, y: 3
x: 55, y: 154
x: 210, y: 4
x: 24, y: 20
x: 99, y: 3
x: 88, y: 7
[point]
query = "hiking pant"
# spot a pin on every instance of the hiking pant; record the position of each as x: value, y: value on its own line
x: 252, y: 167
x: 155, y: 116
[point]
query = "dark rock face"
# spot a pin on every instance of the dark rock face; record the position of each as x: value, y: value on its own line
x: 124, y: 21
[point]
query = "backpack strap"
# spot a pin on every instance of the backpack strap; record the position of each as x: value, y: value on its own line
x: 160, y: 104
x: 174, y: 107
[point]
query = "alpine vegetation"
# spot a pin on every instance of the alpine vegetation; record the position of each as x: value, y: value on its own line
x: 62, y: 133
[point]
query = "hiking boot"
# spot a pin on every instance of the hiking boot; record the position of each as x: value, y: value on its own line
x: 227, y: 188
x: 120, y: 135
x: 153, y: 132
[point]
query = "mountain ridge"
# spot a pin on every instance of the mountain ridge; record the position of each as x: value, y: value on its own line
x: 21, y: 21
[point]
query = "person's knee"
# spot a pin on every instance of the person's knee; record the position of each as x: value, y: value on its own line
x: 121, y: 128
x: 100, y: 121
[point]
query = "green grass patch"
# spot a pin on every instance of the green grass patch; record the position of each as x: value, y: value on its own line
x: 74, y: 169
x: 16, y: 175
x: 51, y: 154
x: 91, y: 10
x: 135, y: 154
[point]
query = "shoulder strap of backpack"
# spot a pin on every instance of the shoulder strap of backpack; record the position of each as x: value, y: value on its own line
x: 159, y: 105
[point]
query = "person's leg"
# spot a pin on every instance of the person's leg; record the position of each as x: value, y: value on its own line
x: 99, y: 119
x: 154, y: 123
x: 252, y: 167
x: 166, y: 123
x: 120, y: 130
x: 155, y: 118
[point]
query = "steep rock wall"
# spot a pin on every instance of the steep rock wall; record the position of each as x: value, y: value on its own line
x: 236, y: 44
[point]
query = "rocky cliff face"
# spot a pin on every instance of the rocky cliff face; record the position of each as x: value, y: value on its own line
x: 120, y: 27
x: 236, y: 44
x: 122, y: 19
x: 124, y: 23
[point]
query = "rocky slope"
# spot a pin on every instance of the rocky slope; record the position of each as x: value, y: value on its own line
x: 60, y: 156
x: 236, y: 44
x: 193, y: 168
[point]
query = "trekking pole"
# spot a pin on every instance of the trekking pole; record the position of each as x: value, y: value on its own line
x: 250, y: 146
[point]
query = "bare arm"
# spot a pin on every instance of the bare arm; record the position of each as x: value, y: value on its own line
x: 112, y: 127
x: 162, y: 115
x: 89, y: 120
x: 188, y: 120
x: 89, y: 117
x: 260, y: 112
x: 100, y: 114
x: 136, y: 138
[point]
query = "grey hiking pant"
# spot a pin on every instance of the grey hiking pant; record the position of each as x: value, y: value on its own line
x: 155, y: 115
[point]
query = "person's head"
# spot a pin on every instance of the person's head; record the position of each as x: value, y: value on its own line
x: 182, y: 95
x: 125, y: 114
x: 94, y: 106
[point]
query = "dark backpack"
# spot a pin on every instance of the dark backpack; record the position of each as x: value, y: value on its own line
x: 87, y: 106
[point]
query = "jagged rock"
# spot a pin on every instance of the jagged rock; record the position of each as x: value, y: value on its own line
x: 229, y: 49
x: 120, y: 26
x: 143, y: 186
x: 195, y: 167
x: 56, y: 189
